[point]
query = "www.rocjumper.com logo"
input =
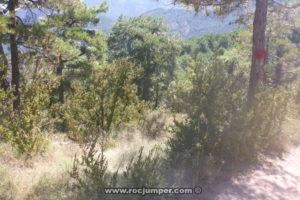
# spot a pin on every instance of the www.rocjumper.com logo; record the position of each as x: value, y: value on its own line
x: 153, y: 191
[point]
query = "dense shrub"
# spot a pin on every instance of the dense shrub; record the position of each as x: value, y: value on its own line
x: 107, y: 100
x: 221, y: 128
x: 141, y: 40
x: 144, y: 171
x: 210, y: 44
x: 90, y: 172
x: 91, y: 175
x: 155, y: 124
x: 5, y: 109
x: 256, y: 129
x: 24, y: 128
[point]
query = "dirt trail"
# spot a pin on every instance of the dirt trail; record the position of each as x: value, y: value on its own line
x: 274, y: 179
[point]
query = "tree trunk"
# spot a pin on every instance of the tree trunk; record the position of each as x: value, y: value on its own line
x: 258, y: 49
x: 156, y: 95
x: 14, y: 54
x: 3, y: 67
x: 59, y: 72
x: 278, y: 74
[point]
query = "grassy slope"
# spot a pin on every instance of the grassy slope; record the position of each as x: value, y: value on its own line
x: 28, y: 179
x: 46, y: 177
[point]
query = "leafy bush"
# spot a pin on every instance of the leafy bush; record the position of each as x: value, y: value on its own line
x: 107, y: 100
x: 5, y: 109
x: 210, y: 44
x: 90, y: 172
x: 221, y: 129
x: 258, y: 128
x: 154, y: 124
x: 24, y: 128
x: 144, y: 171
x: 141, y: 40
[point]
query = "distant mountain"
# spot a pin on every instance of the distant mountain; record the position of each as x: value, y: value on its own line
x: 105, y: 23
x: 129, y: 8
x: 189, y: 24
x: 186, y: 23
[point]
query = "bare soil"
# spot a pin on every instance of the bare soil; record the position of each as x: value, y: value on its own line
x: 276, y: 178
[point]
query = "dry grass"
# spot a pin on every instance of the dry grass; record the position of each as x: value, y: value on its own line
x: 152, y: 132
x: 292, y: 129
x: 46, y: 177
x: 24, y: 175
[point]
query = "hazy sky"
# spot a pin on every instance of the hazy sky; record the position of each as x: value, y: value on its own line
x: 131, y: 7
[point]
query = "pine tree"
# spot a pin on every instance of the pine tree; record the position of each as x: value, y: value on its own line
x: 74, y: 44
x: 144, y: 41
x: 258, y: 37
x: 11, y: 23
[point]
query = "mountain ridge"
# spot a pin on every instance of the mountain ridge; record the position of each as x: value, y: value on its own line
x: 186, y: 23
x: 189, y: 23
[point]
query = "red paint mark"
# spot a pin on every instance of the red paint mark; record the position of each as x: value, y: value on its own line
x: 260, y: 54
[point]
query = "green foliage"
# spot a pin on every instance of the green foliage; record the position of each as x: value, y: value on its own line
x: 189, y: 24
x: 206, y: 50
x: 75, y: 13
x: 5, y: 109
x: 204, y: 80
x: 220, y: 7
x: 215, y: 95
x: 154, y: 124
x: 282, y: 63
x: 257, y: 129
x: 210, y: 45
x: 107, y: 100
x: 90, y: 172
x: 143, y: 41
x: 3, y: 25
x: 221, y: 130
x: 92, y: 176
x: 24, y: 129
x: 144, y: 171
x: 219, y: 79
x: 70, y: 44
x: 295, y: 36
